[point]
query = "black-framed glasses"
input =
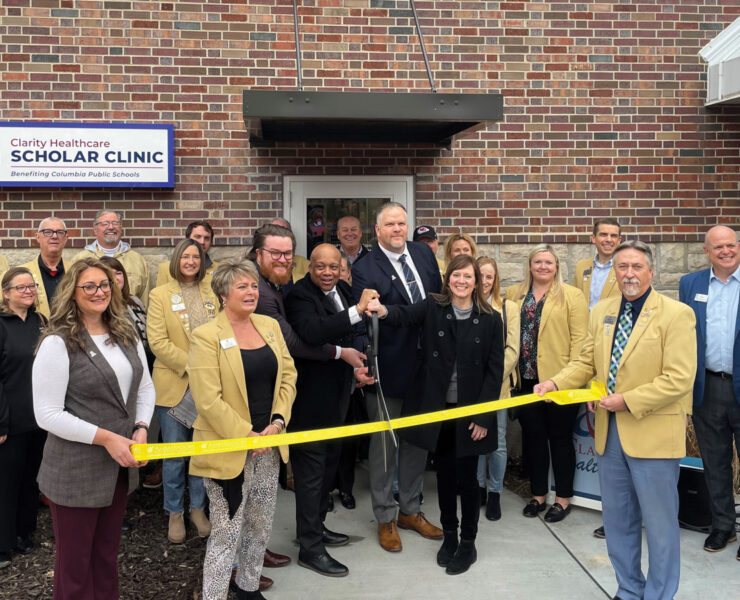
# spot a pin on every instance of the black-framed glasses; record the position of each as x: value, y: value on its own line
x: 50, y: 232
x: 109, y: 223
x: 91, y: 289
x: 276, y: 254
x: 23, y: 288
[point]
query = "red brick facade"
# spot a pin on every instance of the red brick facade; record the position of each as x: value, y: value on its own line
x: 603, y: 108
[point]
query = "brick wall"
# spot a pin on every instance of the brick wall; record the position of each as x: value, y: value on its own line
x: 603, y: 110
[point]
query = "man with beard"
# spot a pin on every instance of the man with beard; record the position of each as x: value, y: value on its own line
x: 643, y: 345
x: 48, y: 267
x: 320, y: 310
x: 108, y: 229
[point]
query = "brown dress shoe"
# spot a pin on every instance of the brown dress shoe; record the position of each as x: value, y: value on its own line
x: 273, y: 560
x: 419, y: 523
x: 388, y: 537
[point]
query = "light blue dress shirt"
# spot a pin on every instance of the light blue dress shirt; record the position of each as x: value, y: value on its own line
x: 722, y: 301
x: 598, y: 279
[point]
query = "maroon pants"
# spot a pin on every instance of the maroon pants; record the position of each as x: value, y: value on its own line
x: 86, y: 561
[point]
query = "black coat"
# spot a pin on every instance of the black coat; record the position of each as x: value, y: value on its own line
x: 18, y: 340
x: 324, y: 386
x: 397, y: 344
x: 477, y: 344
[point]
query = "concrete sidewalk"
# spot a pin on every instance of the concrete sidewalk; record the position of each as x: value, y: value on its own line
x: 518, y: 558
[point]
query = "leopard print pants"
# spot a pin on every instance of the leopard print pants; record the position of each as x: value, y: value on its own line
x: 244, y: 537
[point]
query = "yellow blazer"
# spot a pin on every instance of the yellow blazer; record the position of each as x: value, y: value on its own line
x: 4, y: 266
x: 43, y: 305
x: 136, y: 270
x: 582, y: 280
x: 220, y: 392
x: 656, y: 375
x: 300, y: 267
x: 562, y: 328
x: 163, y: 273
x: 511, y: 348
x: 168, y: 331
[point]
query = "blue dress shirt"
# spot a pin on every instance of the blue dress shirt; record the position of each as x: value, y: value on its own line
x: 722, y: 301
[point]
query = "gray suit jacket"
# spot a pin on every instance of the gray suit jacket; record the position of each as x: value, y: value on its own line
x: 84, y: 475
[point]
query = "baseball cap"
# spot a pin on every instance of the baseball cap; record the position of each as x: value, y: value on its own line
x: 424, y: 231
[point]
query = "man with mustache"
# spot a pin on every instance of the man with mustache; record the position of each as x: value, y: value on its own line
x: 108, y: 229
x: 48, y: 267
x: 714, y: 296
x: 643, y: 346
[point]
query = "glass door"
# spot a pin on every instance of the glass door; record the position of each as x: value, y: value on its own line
x: 314, y: 204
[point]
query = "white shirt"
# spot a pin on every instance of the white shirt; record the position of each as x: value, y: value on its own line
x: 51, y: 376
x: 354, y: 316
x: 393, y: 257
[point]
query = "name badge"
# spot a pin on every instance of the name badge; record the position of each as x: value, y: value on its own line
x: 178, y: 307
x: 610, y: 319
x: 228, y: 343
x: 701, y: 298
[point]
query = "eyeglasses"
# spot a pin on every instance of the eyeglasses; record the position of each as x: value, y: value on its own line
x: 23, y: 288
x: 50, y: 232
x: 91, y: 289
x: 276, y: 254
x: 108, y: 223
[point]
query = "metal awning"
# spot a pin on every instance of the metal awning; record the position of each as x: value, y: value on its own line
x: 722, y: 55
x: 392, y: 117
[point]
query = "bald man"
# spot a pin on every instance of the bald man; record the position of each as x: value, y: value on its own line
x: 321, y: 311
x: 714, y: 295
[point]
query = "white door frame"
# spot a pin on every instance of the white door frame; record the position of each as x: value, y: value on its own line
x: 399, y: 188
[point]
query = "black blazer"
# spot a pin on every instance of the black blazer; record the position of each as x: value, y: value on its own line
x: 477, y: 345
x: 397, y: 348
x: 323, y: 386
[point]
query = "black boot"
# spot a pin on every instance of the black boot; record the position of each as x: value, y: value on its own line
x: 493, y: 506
x: 464, y: 557
x: 245, y: 595
x: 448, y: 549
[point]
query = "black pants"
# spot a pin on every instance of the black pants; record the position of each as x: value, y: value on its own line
x: 357, y: 413
x: 20, y: 458
x: 716, y: 422
x: 456, y: 474
x: 547, y: 432
x: 314, y: 472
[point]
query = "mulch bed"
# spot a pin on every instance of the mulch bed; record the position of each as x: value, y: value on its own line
x: 150, y: 567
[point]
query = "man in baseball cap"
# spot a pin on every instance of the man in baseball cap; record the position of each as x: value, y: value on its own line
x: 426, y: 234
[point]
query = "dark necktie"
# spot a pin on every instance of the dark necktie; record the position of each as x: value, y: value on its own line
x: 410, y: 280
x: 624, y: 328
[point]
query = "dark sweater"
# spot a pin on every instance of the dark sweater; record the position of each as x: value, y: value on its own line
x: 17, y: 344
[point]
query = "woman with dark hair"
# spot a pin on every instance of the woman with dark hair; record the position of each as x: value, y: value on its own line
x: 93, y: 394
x: 175, y: 310
x: 461, y: 363
x: 21, y: 440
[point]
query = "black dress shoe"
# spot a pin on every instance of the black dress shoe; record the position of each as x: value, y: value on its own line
x: 347, y: 500
x: 23, y: 545
x: 557, y: 513
x: 493, y: 506
x: 599, y: 533
x: 126, y: 526
x: 465, y: 556
x: 449, y: 546
x: 323, y: 564
x: 332, y: 538
x: 330, y: 507
x: 718, y: 540
x: 533, y: 507
x: 244, y: 595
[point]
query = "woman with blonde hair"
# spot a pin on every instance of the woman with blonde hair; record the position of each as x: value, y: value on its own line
x: 553, y: 321
x: 243, y: 382
x: 491, y: 493
x: 21, y: 440
x: 459, y: 243
x: 176, y: 308
x: 93, y: 394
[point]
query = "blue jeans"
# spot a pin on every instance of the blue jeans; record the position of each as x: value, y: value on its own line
x: 174, y: 470
x: 637, y: 491
x: 496, y: 459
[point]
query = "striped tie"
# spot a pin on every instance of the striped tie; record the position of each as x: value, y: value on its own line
x: 624, y: 328
x: 410, y: 280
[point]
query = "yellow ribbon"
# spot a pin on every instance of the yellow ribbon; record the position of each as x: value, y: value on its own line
x: 144, y: 452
